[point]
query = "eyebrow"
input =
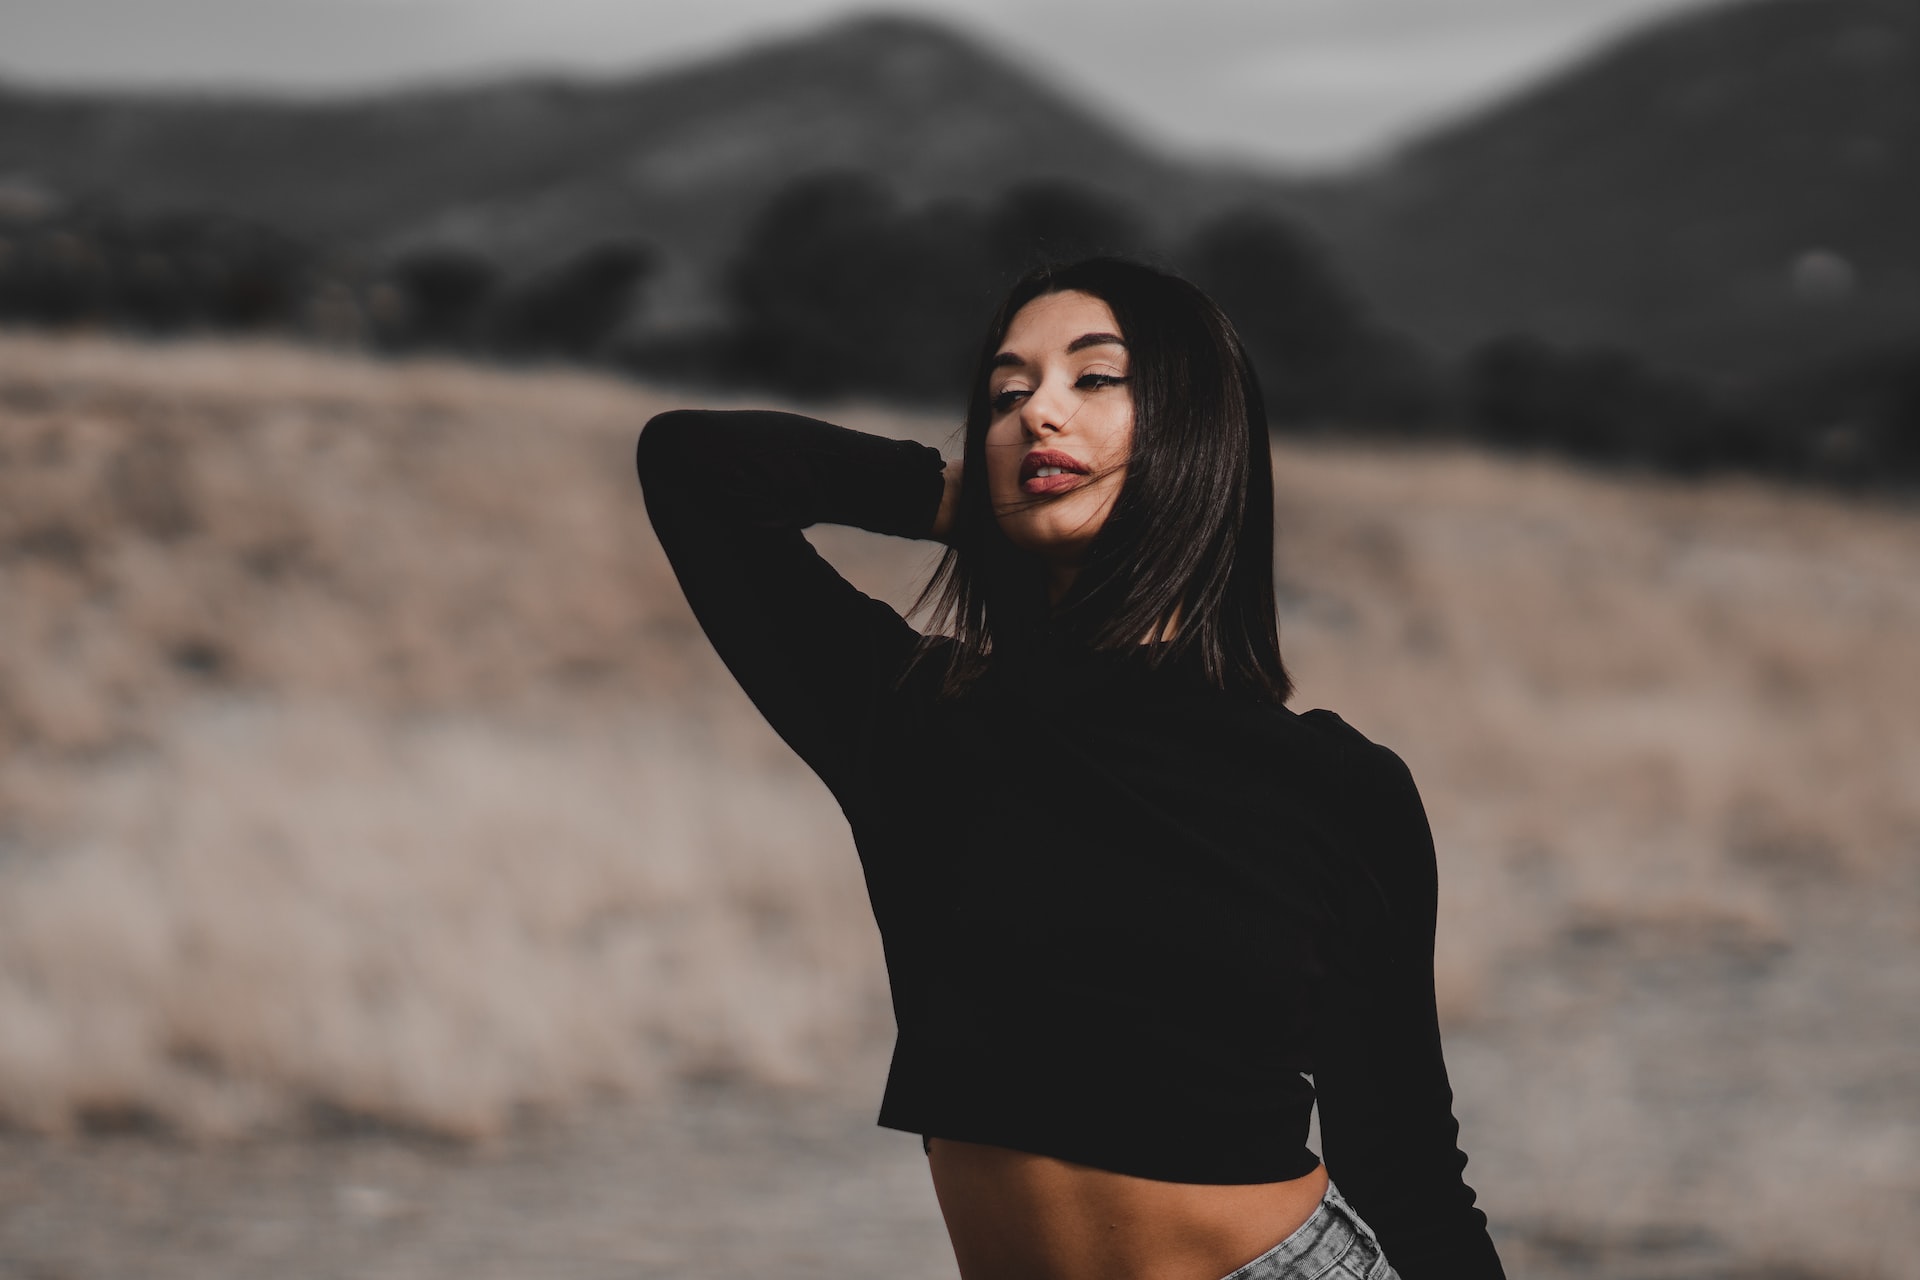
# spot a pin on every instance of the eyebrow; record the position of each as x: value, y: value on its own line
x: 1081, y: 343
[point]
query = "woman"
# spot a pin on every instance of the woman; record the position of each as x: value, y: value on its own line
x: 1129, y: 901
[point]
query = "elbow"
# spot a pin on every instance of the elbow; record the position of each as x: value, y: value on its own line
x: 664, y: 440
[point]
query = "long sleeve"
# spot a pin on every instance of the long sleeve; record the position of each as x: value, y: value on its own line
x: 1386, y: 1105
x: 728, y: 494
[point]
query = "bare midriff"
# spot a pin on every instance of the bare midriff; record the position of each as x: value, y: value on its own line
x: 1017, y: 1216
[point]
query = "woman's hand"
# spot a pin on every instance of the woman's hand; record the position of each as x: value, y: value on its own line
x: 949, y: 503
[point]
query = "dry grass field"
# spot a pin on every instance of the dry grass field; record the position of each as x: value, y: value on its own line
x: 392, y: 882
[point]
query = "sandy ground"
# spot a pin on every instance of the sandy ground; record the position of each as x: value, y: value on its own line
x: 393, y: 884
x: 725, y: 1180
x: 1750, y: 1078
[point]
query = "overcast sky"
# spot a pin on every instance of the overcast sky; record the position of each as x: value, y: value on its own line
x: 1304, y: 82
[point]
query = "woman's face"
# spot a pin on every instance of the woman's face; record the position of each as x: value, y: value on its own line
x: 1058, y: 398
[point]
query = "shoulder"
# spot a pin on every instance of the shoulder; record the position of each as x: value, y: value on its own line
x: 1382, y: 806
x: 1371, y: 766
x: 1318, y: 748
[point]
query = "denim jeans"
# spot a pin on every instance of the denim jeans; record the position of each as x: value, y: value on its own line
x: 1333, y: 1244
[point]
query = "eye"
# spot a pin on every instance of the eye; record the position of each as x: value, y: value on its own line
x: 1005, y: 400
x: 1095, y: 381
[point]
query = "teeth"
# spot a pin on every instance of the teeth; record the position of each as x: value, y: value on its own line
x: 1043, y: 472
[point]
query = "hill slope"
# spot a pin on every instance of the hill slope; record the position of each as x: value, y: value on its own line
x: 529, y: 168
x: 1728, y: 191
x: 362, y: 765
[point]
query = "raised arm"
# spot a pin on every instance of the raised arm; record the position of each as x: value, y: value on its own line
x: 1386, y: 1107
x: 728, y: 494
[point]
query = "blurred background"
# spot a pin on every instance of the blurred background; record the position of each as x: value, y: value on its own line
x: 392, y: 881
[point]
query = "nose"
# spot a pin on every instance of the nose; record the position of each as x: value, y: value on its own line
x: 1044, y: 411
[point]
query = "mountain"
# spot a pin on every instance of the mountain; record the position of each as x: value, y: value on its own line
x: 1730, y: 192
x: 682, y: 159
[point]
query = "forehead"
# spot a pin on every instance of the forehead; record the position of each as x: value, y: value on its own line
x: 1052, y: 320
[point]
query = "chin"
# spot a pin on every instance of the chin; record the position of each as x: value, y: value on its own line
x: 1054, y: 534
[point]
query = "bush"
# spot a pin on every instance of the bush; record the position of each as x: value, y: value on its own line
x: 1601, y: 404
x: 157, y: 273
x: 1855, y: 421
x: 838, y: 289
x: 443, y: 294
x: 1038, y: 223
x: 1317, y: 354
x: 576, y: 307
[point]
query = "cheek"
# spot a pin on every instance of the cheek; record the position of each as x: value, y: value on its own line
x: 1121, y: 439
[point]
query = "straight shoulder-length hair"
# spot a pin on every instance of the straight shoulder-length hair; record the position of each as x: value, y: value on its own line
x: 1184, y: 560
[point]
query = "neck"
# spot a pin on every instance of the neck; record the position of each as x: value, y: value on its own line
x: 1060, y: 580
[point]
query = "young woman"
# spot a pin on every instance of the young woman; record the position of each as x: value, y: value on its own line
x: 1130, y: 902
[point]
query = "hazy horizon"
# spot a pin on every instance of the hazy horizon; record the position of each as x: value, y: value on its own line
x: 1310, y: 83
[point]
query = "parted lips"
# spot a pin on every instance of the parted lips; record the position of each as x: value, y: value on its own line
x: 1031, y: 465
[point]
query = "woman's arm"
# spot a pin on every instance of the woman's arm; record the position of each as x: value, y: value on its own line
x: 728, y: 494
x: 1386, y: 1107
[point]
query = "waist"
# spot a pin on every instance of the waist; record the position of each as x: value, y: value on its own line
x: 1017, y: 1214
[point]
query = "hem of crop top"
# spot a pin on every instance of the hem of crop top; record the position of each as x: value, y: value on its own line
x: 1303, y: 1161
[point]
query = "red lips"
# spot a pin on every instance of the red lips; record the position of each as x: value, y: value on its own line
x: 1050, y: 458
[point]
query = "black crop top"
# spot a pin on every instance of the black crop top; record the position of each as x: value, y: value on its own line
x: 1125, y: 914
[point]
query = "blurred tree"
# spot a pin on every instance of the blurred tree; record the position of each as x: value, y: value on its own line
x: 838, y: 289
x: 804, y: 283
x: 1042, y: 222
x: 443, y: 289
x: 156, y: 293
x: 90, y: 263
x: 1599, y: 404
x: 1901, y: 423
x: 1512, y: 393
x: 575, y: 307
x: 55, y: 275
x: 1854, y: 421
x: 1311, y: 345
x: 242, y: 275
